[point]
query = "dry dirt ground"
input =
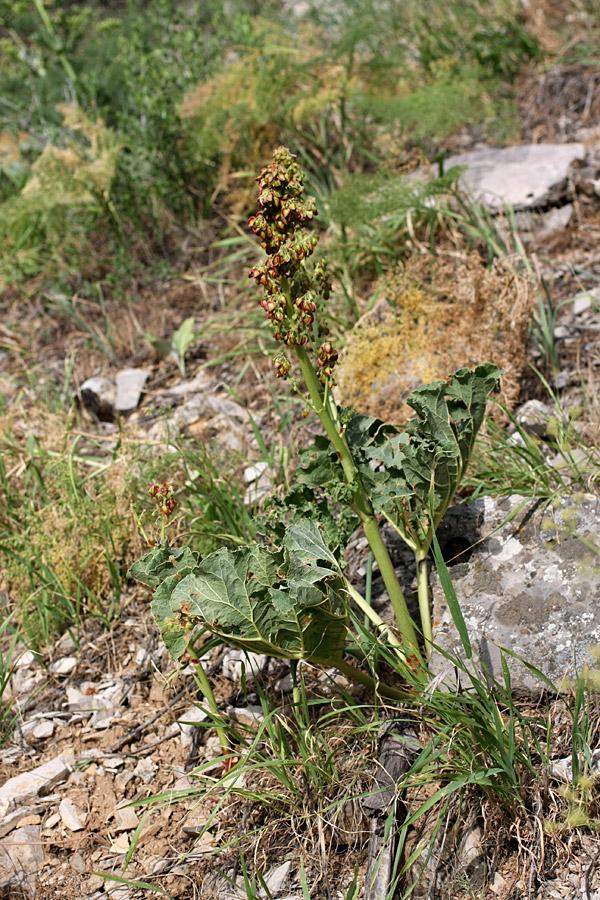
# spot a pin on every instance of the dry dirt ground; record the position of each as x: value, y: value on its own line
x: 138, y: 751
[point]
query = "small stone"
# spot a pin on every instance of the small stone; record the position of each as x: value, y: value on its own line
x: 130, y: 384
x: 557, y: 218
x: 471, y: 855
x: 120, y: 845
x: 253, y: 472
x: 98, y: 396
x: 562, y: 769
x: 21, y: 858
x: 561, y: 381
x: 113, y: 763
x: 212, y: 748
x: 52, y: 821
x: 117, y: 891
x: 235, y: 661
x: 533, y: 417
x: 498, y: 885
x: 70, y: 816
x: 250, y: 716
x: 188, y: 721
x: 145, y: 770
x: 36, y: 783
x: 77, y: 863
x: 285, y: 684
x: 142, y: 657
x: 126, y: 819
x: 123, y: 779
x: 25, y: 659
x: 65, y: 645
x: 33, y: 819
x: 583, y: 302
x: 278, y: 877
x: 63, y: 666
x: 44, y: 729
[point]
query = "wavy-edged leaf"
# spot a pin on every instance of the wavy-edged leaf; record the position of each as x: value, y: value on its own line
x: 161, y: 561
x: 256, y: 599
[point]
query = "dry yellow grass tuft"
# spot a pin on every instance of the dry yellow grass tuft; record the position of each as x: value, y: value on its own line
x: 435, y: 315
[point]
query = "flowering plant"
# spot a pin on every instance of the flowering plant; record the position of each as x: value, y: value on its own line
x: 291, y: 598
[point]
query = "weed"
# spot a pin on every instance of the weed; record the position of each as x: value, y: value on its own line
x: 409, y: 478
x: 9, y: 638
x: 67, y: 528
x: 523, y: 463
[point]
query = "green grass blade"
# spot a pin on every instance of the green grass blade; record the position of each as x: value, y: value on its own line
x: 452, y: 599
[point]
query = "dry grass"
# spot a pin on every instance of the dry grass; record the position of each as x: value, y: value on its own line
x: 437, y: 314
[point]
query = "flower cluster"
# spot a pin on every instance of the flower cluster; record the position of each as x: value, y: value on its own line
x: 291, y: 294
x: 163, y: 494
x: 326, y: 358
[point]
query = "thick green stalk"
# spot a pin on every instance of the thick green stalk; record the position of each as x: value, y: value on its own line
x: 423, y: 594
x: 375, y: 619
x: 361, y: 503
x: 204, y: 685
x: 388, y: 573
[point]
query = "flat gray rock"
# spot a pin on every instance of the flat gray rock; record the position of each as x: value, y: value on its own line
x: 530, y: 585
x: 130, y: 384
x: 36, y: 783
x: 520, y: 177
x: 98, y: 395
x: 21, y: 858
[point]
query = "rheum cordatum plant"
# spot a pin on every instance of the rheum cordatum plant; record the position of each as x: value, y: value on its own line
x: 288, y: 596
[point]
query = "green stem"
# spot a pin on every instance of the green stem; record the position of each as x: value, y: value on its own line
x: 331, y: 427
x: 423, y: 594
x: 296, y: 696
x: 376, y: 620
x: 204, y: 685
x: 388, y: 573
x: 368, y: 582
x: 361, y: 503
x: 47, y: 23
x: 360, y: 677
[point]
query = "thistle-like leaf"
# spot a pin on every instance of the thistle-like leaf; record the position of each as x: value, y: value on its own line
x: 284, y: 604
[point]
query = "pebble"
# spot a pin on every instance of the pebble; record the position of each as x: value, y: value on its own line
x: 70, y: 815
x: 21, y: 857
x: 583, y: 302
x: 123, y: 779
x: 145, y: 770
x: 29, y: 820
x: 120, y: 845
x: 63, y: 666
x: 235, y: 661
x: 130, y: 384
x: 187, y: 722
x: 126, y: 819
x: 44, y: 729
x: 277, y: 878
x: 35, y: 783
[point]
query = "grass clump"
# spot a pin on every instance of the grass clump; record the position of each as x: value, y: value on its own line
x: 68, y: 192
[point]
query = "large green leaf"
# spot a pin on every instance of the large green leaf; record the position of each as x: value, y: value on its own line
x: 405, y: 472
x: 161, y: 561
x: 283, y: 604
x: 414, y: 475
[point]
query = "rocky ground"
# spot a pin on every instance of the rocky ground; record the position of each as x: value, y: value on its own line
x: 103, y: 726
